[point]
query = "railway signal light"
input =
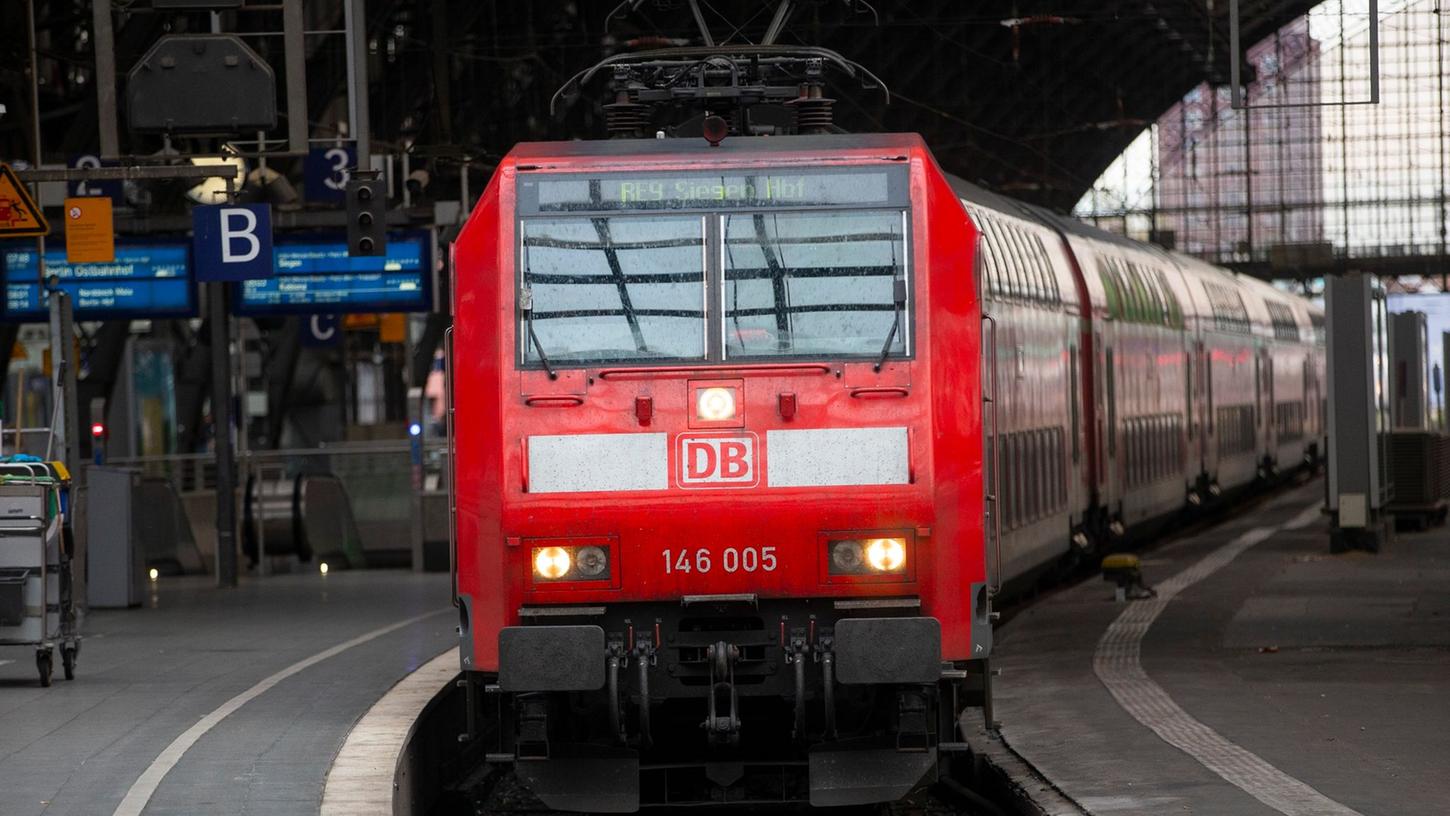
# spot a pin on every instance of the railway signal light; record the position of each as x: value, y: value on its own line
x: 366, y: 216
x: 98, y: 442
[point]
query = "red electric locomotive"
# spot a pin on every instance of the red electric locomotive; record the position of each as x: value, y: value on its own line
x: 725, y: 493
x: 717, y: 421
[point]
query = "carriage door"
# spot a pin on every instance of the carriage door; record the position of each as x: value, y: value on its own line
x: 1270, y: 433
x: 1210, y: 421
x: 1111, y: 475
x: 1197, y: 427
x: 1312, y: 417
x: 1258, y: 429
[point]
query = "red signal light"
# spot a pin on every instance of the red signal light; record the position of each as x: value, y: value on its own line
x: 98, y: 430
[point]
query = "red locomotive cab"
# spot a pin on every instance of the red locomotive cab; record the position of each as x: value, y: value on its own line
x: 719, y: 481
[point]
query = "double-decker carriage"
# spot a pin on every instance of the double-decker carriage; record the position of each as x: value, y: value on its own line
x: 718, y: 444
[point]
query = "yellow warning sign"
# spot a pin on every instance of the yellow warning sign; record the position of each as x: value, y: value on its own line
x: 90, y: 234
x: 19, y: 217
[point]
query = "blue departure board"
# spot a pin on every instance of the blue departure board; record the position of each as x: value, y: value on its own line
x: 147, y: 279
x: 313, y: 274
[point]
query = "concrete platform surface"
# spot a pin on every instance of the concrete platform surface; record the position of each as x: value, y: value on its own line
x: 1267, y: 676
x: 208, y: 701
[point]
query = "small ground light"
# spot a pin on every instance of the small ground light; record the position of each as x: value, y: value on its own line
x: 415, y: 429
x: 322, y: 568
x: 154, y: 574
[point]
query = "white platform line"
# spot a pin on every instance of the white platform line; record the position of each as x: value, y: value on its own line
x: 3, y: 662
x: 360, y: 781
x: 145, y: 785
x: 1117, y: 665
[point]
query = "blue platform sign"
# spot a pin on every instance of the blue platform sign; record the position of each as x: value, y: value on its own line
x: 116, y: 190
x: 149, y: 279
x: 326, y: 171
x: 315, y: 275
x: 232, y: 242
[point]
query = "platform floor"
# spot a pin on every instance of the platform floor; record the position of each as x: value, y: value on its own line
x: 1267, y: 676
x: 208, y: 701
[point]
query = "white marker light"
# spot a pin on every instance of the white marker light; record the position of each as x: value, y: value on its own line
x: 846, y: 556
x: 715, y: 404
x: 886, y: 554
x: 415, y: 429
x: 552, y: 563
x: 591, y: 561
x: 322, y: 568
x: 154, y: 574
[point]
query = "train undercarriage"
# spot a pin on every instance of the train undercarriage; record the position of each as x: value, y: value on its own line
x: 724, y: 700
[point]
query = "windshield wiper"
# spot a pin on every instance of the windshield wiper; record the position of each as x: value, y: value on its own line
x: 526, y: 305
x: 898, y: 302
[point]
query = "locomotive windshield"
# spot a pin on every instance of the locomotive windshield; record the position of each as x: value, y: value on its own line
x: 713, y: 268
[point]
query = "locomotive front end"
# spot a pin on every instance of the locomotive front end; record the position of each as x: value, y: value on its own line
x: 717, y: 421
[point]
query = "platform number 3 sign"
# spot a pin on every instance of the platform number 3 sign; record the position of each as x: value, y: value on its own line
x: 327, y: 171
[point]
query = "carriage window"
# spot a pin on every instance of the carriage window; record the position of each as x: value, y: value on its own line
x: 613, y: 288
x: 1011, y: 271
x: 817, y: 283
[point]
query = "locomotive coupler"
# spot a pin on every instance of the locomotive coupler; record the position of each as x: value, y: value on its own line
x: 722, y: 728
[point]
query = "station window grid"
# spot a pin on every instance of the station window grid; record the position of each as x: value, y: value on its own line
x: 1301, y: 181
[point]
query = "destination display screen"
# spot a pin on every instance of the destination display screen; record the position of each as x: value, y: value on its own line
x: 767, y: 189
x: 145, y: 280
x: 315, y: 274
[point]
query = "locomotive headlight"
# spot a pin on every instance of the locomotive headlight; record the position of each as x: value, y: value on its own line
x: 846, y: 556
x: 866, y: 556
x: 552, y: 563
x: 886, y: 554
x: 591, y: 562
x: 715, y: 404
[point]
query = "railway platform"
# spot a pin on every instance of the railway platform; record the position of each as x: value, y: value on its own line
x: 210, y: 701
x: 1266, y: 676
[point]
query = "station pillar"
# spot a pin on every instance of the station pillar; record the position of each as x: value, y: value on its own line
x: 1359, y: 486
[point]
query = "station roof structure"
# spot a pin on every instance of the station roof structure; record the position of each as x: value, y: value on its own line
x: 1030, y: 97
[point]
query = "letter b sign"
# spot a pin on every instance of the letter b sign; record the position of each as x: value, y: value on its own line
x: 233, y: 242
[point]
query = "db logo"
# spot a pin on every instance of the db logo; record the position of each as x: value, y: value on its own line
x: 717, y: 461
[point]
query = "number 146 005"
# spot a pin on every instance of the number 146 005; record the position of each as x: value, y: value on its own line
x: 731, y: 559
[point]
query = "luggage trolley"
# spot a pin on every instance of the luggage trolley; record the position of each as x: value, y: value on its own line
x: 37, y: 607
